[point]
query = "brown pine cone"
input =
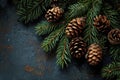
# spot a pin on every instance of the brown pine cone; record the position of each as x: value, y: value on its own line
x: 75, y: 27
x: 54, y: 14
x: 77, y: 47
x: 114, y: 36
x: 102, y: 24
x: 94, y: 54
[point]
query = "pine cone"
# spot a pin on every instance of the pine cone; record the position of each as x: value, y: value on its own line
x: 54, y: 14
x: 102, y: 24
x: 114, y: 36
x: 94, y: 54
x: 75, y: 27
x: 77, y: 47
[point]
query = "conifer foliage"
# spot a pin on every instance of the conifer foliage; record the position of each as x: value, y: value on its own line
x: 56, y: 39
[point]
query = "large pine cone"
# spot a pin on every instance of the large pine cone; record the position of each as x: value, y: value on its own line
x: 54, y: 14
x: 102, y: 24
x: 75, y: 27
x: 94, y: 54
x: 77, y: 47
x: 114, y: 36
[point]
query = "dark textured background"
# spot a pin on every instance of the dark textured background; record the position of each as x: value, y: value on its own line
x: 21, y: 57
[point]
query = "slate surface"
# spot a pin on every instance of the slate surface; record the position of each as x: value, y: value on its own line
x: 21, y: 57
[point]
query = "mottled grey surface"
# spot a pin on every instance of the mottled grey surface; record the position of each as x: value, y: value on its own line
x: 21, y: 57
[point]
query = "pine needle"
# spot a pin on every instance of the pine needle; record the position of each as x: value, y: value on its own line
x: 115, y: 52
x: 90, y: 33
x: 63, y: 53
x: 28, y: 10
x: 112, y: 15
x: 50, y: 42
x: 45, y: 28
x: 112, y: 70
x: 78, y: 9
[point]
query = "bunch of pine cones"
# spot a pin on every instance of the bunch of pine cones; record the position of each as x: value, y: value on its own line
x: 74, y: 31
x: 78, y: 46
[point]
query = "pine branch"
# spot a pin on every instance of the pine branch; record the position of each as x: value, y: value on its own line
x: 112, y: 70
x: 29, y: 10
x: 78, y: 9
x: 115, y: 52
x: 102, y: 41
x: 112, y: 15
x: 90, y: 33
x: 50, y: 42
x: 63, y: 53
x: 45, y: 28
x: 118, y: 78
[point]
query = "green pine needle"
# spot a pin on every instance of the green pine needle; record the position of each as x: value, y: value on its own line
x: 112, y: 15
x: 102, y: 40
x: 28, y: 10
x: 112, y: 70
x: 90, y: 33
x: 63, y: 53
x: 50, y: 42
x: 115, y: 52
x: 45, y: 28
x: 78, y: 9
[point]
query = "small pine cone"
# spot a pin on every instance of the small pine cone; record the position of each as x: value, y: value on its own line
x: 54, y: 14
x: 75, y: 27
x: 102, y: 24
x: 77, y: 47
x: 114, y: 36
x: 94, y: 54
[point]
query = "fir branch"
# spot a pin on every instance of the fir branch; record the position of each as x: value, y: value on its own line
x: 112, y: 70
x: 50, y: 42
x: 112, y: 15
x: 78, y: 9
x: 90, y: 33
x: 102, y: 41
x: 118, y: 78
x: 29, y: 10
x: 45, y: 28
x: 115, y: 52
x: 63, y: 53
x: 65, y: 3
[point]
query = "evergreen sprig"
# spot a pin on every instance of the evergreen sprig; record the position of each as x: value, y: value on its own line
x: 78, y: 9
x: 63, y: 53
x: 112, y: 15
x: 45, y: 28
x: 90, y: 33
x: 115, y: 52
x: 28, y: 10
x: 102, y: 41
x: 111, y: 71
x: 50, y: 42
